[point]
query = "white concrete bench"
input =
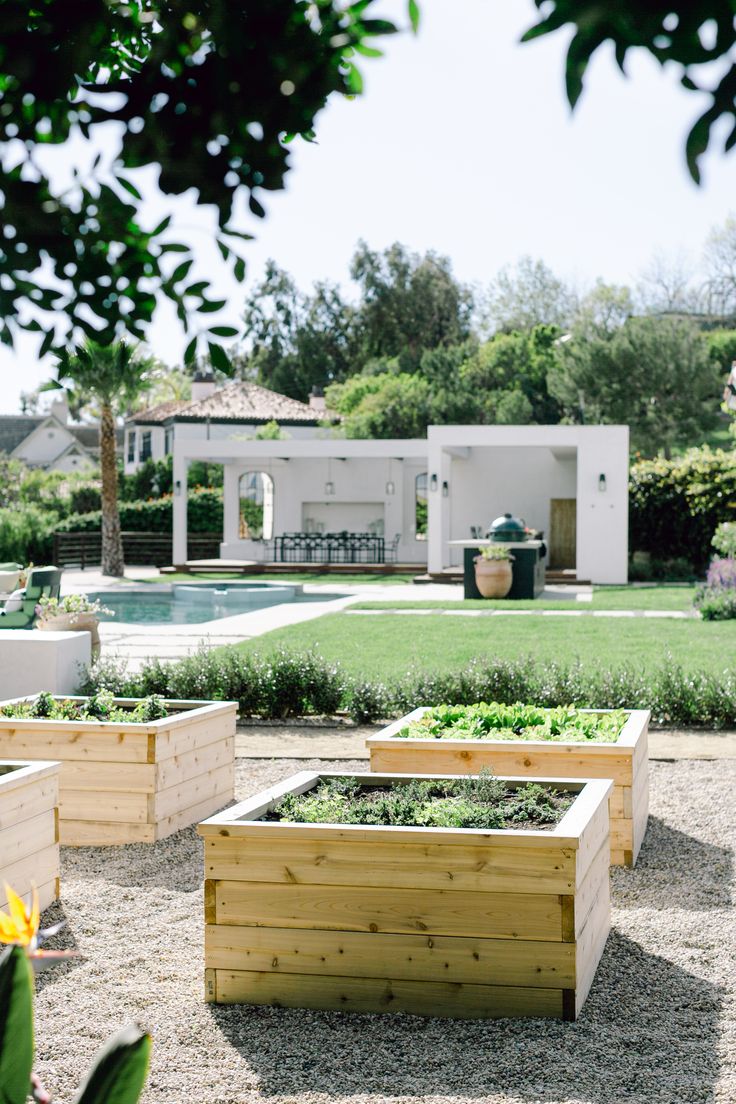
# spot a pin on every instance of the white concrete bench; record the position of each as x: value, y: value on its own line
x: 31, y: 661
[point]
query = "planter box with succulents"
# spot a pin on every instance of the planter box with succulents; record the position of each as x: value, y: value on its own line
x: 530, y: 741
x: 132, y: 770
x: 307, y: 904
x: 29, y: 829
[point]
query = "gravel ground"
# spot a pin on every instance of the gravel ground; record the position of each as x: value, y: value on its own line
x: 658, y: 1026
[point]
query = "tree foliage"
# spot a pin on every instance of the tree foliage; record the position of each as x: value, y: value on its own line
x: 529, y: 295
x: 696, y: 38
x: 654, y: 374
x: 209, y: 94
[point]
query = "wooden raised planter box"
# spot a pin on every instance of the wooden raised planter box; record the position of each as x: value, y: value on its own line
x: 430, y: 921
x: 29, y: 829
x: 133, y: 783
x: 625, y: 762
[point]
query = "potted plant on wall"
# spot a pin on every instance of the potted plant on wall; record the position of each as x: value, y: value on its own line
x: 73, y: 613
x: 493, y: 576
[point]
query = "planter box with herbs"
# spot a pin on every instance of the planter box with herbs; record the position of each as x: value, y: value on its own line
x: 531, y: 741
x: 463, y: 897
x: 29, y: 829
x: 132, y: 770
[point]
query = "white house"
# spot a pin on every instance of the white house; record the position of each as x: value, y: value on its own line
x: 571, y: 482
x: 237, y: 411
x: 50, y: 440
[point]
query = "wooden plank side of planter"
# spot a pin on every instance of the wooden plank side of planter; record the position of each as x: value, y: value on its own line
x: 41, y: 868
x: 27, y: 837
x: 360, y: 908
x: 490, y: 868
x: 29, y: 800
x: 360, y: 994
x: 116, y: 807
x: 106, y: 777
x: 191, y: 764
x: 23, y: 739
x: 194, y: 813
x: 195, y: 792
x: 590, y: 944
x: 409, y: 957
x: 188, y: 731
x: 519, y: 759
x: 97, y: 833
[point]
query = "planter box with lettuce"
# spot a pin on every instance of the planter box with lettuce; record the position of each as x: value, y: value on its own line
x: 519, y: 739
x: 133, y: 770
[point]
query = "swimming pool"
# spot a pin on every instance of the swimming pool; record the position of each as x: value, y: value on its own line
x: 190, y: 604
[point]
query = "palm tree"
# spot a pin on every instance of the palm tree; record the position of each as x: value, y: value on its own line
x: 111, y: 378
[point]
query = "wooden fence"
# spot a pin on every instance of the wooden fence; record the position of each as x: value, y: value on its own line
x: 85, y: 549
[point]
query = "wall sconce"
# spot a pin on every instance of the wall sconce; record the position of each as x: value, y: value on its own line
x: 177, y: 487
x: 602, y: 483
x: 433, y: 482
x: 445, y: 488
x: 329, y: 487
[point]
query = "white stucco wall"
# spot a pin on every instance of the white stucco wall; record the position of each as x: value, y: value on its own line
x: 494, y: 469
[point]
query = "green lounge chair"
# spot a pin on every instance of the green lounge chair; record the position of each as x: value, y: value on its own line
x: 43, y: 582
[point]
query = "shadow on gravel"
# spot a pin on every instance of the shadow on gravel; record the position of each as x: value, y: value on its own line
x: 648, y: 1032
x: 65, y: 940
x: 173, y: 863
x: 673, y: 870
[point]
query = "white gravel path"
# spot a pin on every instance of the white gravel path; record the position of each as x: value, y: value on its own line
x: 659, y: 1026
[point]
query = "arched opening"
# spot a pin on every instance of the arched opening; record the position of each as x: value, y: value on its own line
x: 255, y: 490
x: 420, y: 506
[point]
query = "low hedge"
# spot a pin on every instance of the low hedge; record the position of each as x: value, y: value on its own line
x: 204, y: 513
x: 289, y: 684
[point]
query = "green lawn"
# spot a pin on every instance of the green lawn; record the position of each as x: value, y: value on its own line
x: 389, y: 646
x: 604, y: 598
x: 322, y: 578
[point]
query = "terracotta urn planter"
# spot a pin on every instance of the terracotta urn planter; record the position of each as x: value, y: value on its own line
x: 73, y: 622
x: 493, y: 578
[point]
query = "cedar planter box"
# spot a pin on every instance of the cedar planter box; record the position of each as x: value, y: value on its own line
x: 29, y: 829
x: 625, y: 762
x: 430, y: 921
x: 133, y: 783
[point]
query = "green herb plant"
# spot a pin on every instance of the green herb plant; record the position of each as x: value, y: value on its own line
x: 496, y: 721
x: 483, y: 802
x: 100, y: 706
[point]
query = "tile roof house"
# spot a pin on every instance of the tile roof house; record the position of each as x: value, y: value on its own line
x: 236, y: 411
x: 50, y: 441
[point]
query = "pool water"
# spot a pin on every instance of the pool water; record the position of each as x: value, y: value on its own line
x: 185, y: 604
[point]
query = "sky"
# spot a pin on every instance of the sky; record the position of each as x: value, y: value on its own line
x: 464, y: 143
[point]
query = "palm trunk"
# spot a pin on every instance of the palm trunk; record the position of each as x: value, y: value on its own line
x: 112, y: 543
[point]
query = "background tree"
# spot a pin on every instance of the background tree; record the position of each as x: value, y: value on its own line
x: 720, y: 270
x: 408, y: 303
x: 515, y: 363
x: 208, y: 93
x: 296, y: 341
x: 653, y: 373
x: 666, y: 286
x: 110, y: 378
x: 526, y: 296
x: 387, y: 405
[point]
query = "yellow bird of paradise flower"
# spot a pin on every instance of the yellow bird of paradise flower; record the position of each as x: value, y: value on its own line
x: 20, y: 926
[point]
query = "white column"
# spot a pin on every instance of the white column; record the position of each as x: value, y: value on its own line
x: 231, y: 503
x: 437, y: 511
x: 180, y: 508
x: 603, y: 507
